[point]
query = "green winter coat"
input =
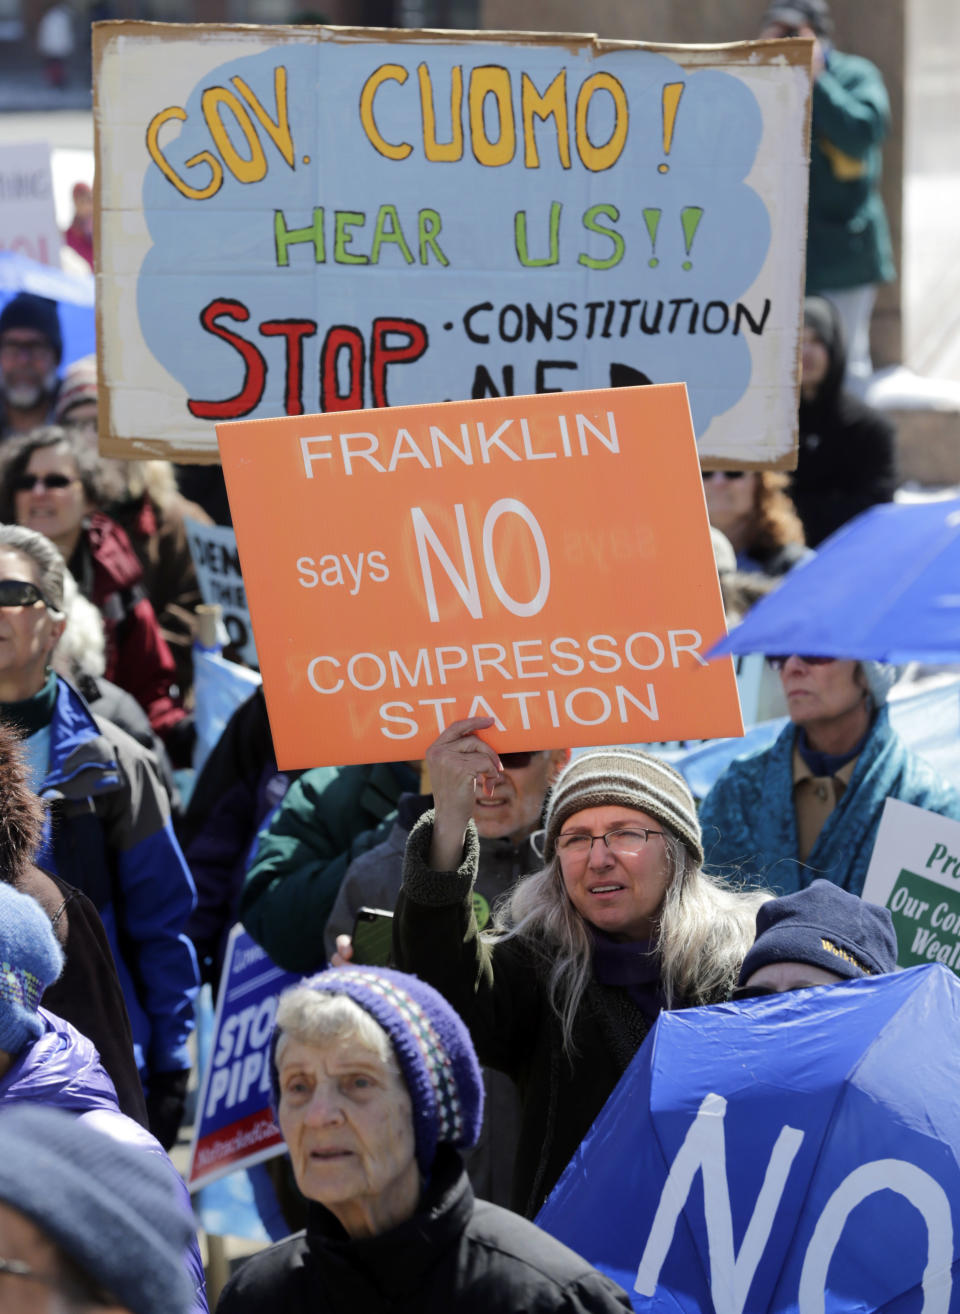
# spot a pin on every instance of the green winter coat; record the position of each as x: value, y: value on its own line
x: 328, y: 817
x: 500, y: 992
x: 848, y: 239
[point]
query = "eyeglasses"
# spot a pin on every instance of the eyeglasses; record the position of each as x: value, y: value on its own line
x: 20, y: 593
x: 778, y: 663
x: 17, y: 1268
x: 514, y: 761
x: 26, y: 483
x: 81, y: 1295
x: 11, y: 347
x: 628, y: 839
x: 88, y: 425
x: 723, y: 474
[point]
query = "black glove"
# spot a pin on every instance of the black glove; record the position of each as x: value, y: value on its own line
x: 179, y: 741
x: 165, y: 1104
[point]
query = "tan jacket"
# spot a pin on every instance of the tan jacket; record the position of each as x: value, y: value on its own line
x: 814, y: 798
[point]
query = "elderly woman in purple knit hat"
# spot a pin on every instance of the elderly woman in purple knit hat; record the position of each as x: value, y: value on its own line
x: 377, y: 1089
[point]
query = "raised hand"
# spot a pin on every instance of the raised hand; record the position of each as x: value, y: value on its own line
x: 458, y: 760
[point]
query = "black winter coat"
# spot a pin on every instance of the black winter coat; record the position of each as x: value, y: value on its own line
x: 846, y: 460
x: 456, y: 1255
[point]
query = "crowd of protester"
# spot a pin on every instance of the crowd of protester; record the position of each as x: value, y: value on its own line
x: 541, y: 910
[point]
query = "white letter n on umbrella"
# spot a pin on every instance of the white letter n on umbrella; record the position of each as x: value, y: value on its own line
x: 704, y: 1150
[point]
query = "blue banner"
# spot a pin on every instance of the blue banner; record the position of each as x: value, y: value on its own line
x: 235, y: 1126
x: 793, y: 1153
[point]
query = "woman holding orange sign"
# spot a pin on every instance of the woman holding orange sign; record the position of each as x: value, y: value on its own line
x: 620, y: 923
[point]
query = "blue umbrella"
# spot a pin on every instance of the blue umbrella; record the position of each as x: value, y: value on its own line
x: 884, y: 587
x: 73, y: 292
x: 795, y: 1153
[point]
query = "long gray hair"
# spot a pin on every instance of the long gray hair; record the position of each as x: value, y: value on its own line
x: 704, y: 930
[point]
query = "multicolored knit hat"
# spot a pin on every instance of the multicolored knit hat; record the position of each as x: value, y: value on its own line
x: 30, y: 960
x: 626, y: 778
x: 432, y: 1045
x: 79, y: 385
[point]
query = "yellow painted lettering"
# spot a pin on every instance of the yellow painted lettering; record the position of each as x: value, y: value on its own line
x: 552, y: 104
x: 244, y: 170
x: 598, y: 158
x: 385, y: 73
x: 279, y: 128
x: 491, y: 80
x: 442, y: 152
x: 163, y: 164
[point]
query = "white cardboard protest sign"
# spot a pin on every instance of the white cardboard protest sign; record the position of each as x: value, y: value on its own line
x: 28, y: 219
x: 294, y: 220
x: 217, y: 563
x: 915, y: 872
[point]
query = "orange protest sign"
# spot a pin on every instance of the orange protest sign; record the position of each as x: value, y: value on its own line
x: 542, y: 560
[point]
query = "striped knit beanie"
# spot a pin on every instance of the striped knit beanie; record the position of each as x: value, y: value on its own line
x: 627, y: 778
x: 432, y: 1045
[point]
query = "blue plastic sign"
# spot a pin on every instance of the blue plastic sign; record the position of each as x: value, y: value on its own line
x: 235, y: 1126
x: 783, y: 1154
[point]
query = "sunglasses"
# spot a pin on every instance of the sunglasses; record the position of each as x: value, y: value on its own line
x: 723, y: 474
x: 26, y: 483
x: 20, y: 593
x: 778, y: 663
x: 514, y: 761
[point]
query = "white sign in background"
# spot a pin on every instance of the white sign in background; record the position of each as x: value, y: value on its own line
x: 28, y: 220
x: 915, y: 872
x: 215, y: 558
x: 303, y: 220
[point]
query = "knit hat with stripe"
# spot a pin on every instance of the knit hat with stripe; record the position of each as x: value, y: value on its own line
x: 432, y: 1045
x: 624, y: 777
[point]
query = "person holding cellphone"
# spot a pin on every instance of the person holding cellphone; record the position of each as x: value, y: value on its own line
x: 508, y: 818
x: 619, y: 922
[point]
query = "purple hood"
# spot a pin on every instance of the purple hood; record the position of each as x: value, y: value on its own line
x: 63, y: 1071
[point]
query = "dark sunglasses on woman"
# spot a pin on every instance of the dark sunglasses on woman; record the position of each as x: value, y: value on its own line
x: 20, y: 593
x: 778, y: 663
x: 26, y: 483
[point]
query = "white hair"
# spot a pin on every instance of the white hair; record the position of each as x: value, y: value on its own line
x: 704, y: 930
x: 83, y: 646
x: 315, y: 1017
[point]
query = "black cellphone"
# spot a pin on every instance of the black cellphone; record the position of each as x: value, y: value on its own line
x: 372, y: 937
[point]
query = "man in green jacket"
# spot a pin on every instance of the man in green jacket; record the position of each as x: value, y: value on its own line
x: 328, y: 817
x: 848, y: 240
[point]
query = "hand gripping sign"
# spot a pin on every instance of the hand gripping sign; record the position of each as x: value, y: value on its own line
x: 542, y: 560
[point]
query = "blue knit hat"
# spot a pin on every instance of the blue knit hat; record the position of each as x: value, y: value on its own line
x: 27, y: 310
x: 433, y: 1046
x: 30, y: 960
x: 826, y: 927
x: 111, y: 1207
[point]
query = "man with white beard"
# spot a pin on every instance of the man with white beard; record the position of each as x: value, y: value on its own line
x: 31, y: 346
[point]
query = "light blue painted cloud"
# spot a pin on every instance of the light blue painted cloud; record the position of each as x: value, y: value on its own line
x: 223, y: 247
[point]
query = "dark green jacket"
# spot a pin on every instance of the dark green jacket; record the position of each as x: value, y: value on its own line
x: 848, y: 239
x: 328, y: 817
x: 501, y: 993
